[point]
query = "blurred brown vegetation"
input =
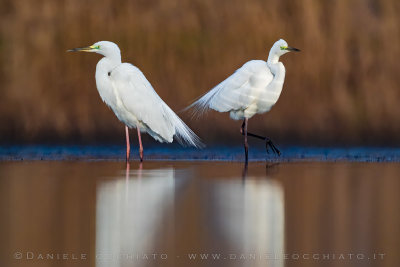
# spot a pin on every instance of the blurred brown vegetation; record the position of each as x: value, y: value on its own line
x: 341, y: 89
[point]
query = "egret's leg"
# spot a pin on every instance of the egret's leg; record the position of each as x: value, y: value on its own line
x: 140, y: 144
x: 243, y: 130
x: 128, y: 147
x: 266, y: 139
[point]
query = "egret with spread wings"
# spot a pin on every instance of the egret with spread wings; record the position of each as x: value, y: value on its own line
x: 125, y: 89
x: 252, y: 89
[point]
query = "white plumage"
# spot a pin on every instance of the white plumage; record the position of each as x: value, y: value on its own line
x: 138, y: 104
x: 252, y: 89
x: 125, y: 89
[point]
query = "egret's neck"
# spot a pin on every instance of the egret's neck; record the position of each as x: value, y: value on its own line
x: 114, y: 58
x: 111, y: 61
x: 104, y: 70
x: 273, y: 58
x: 107, y: 64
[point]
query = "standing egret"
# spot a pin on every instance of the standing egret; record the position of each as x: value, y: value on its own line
x: 252, y: 89
x: 125, y: 89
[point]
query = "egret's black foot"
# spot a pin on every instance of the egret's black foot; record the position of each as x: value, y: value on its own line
x: 268, y: 142
x: 272, y: 146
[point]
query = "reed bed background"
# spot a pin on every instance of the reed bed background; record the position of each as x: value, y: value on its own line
x: 342, y: 89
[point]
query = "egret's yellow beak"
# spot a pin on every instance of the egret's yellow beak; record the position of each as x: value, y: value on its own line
x: 91, y: 48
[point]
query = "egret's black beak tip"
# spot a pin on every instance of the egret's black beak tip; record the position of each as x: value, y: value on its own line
x: 294, y: 49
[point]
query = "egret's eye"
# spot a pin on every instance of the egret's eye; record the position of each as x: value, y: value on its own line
x: 283, y: 47
x: 97, y: 47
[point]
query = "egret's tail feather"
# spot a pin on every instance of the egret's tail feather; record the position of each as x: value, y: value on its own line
x: 202, y: 105
x: 184, y: 135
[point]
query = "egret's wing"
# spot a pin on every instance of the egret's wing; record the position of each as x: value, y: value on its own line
x: 238, y: 91
x: 139, y: 99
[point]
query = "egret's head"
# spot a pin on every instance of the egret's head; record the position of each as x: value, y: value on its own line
x: 105, y: 48
x: 281, y: 47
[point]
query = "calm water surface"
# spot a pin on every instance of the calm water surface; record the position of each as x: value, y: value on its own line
x: 73, y: 213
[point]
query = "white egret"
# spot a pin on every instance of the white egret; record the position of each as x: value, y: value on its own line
x: 125, y: 89
x: 252, y: 89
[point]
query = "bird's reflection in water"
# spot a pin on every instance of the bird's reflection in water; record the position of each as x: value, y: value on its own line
x: 136, y: 214
x: 253, y: 220
x: 129, y: 214
x: 270, y: 169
